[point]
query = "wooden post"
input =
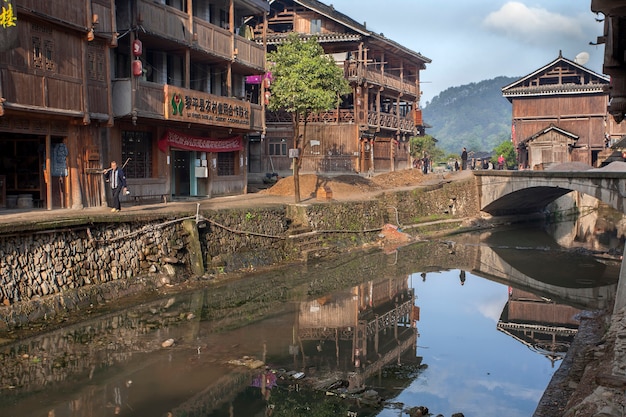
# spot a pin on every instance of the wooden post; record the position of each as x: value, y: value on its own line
x: 48, y: 173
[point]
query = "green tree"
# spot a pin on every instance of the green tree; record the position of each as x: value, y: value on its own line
x: 508, y: 151
x: 426, y: 144
x: 305, y: 81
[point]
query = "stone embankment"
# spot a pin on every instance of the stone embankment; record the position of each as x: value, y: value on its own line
x: 593, y: 380
x: 66, y: 266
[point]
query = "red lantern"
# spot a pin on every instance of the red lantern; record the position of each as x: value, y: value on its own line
x: 137, y: 47
x: 137, y: 68
x: 267, y: 97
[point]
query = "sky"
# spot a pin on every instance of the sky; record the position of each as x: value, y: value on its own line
x: 474, y: 40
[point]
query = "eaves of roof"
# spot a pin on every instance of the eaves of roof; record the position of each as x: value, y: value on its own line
x: 277, y: 38
x: 257, y: 4
x: 546, y: 130
x: 557, y: 89
x: 331, y: 13
x: 545, y: 67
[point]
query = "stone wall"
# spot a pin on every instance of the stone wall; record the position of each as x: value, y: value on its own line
x: 46, y: 271
x: 76, y: 265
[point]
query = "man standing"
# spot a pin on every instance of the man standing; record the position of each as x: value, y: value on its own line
x: 116, y: 178
x: 464, y: 160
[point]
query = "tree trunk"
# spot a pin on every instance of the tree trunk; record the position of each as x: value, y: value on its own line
x: 296, y: 161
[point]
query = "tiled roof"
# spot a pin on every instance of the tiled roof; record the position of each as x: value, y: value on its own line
x: 276, y: 38
x: 331, y: 13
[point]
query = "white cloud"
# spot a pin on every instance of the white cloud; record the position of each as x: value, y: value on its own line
x: 533, y: 25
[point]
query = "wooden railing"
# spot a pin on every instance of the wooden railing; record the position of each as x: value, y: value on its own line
x: 150, y: 98
x: 212, y: 39
x: 175, y: 24
x: 353, y: 71
x: 390, y: 121
x: 249, y: 53
x: 374, y: 119
x: 29, y: 89
x: 74, y: 14
x: 164, y: 20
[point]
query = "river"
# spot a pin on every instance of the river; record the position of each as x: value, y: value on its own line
x: 475, y: 324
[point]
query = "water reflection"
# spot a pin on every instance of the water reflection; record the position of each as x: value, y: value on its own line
x: 539, y: 323
x: 474, y: 325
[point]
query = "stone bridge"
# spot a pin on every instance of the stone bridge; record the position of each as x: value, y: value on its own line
x: 524, y: 192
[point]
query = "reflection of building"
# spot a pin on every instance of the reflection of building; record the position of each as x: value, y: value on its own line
x: 361, y: 331
x: 541, y: 324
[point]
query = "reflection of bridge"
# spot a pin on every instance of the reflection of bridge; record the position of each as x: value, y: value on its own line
x: 523, y: 192
x: 490, y: 264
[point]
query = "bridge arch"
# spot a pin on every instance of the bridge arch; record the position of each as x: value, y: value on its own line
x: 525, y: 192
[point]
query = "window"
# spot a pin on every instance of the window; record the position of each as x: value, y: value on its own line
x: 278, y: 147
x: 95, y: 62
x: 43, y: 48
x: 316, y: 26
x: 137, y: 150
x: 226, y: 163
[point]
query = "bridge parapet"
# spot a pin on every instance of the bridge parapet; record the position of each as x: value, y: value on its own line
x: 525, y: 192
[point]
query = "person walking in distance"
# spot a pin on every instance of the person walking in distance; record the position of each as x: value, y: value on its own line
x: 501, y: 161
x: 464, y: 160
x: 117, y: 180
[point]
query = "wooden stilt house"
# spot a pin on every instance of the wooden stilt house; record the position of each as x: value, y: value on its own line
x: 370, y: 130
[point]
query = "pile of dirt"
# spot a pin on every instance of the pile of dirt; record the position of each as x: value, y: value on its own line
x: 347, y: 185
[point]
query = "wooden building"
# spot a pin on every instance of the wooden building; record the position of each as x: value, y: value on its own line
x: 614, y: 12
x: 157, y: 86
x: 560, y: 115
x: 183, y: 114
x: 55, y: 106
x: 371, y: 128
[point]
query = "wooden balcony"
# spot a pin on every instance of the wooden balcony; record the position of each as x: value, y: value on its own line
x: 249, y: 53
x: 164, y: 21
x: 212, y: 39
x: 391, y: 121
x: 59, y: 11
x: 171, y: 23
x: 354, y: 72
x: 405, y: 124
x: 46, y: 93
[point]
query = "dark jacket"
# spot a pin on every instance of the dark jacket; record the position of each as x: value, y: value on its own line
x: 121, y: 177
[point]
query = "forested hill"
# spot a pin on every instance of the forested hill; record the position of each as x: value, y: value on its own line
x: 475, y: 116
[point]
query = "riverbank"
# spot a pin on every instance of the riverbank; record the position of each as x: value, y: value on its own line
x: 591, y: 381
x: 245, y: 234
x: 61, y: 261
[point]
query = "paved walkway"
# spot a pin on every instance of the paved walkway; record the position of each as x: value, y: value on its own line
x: 23, y: 218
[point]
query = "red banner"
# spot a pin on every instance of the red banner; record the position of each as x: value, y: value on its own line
x: 195, y: 143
